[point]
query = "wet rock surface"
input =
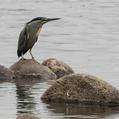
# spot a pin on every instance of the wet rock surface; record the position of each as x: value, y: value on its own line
x: 58, y: 67
x: 82, y: 88
x: 26, y: 116
x: 5, y: 73
x: 31, y: 69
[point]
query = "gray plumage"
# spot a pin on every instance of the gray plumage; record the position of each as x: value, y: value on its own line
x: 29, y: 34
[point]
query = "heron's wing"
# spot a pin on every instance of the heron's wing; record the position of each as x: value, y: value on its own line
x: 22, y: 49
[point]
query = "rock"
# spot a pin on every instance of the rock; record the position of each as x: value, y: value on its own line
x: 58, y: 67
x: 26, y: 116
x: 31, y: 69
x: 82, y: 88
x: 5, y: 73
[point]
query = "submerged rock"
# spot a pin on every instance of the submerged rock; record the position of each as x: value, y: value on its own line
x: 31, y: 69
x: 82, y: 88
x: 26, y: 116
x: 58, y: 67
x: 5, y: 73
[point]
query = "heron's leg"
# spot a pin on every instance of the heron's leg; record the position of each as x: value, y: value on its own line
x: 31, y: 54
x: 22, y: 56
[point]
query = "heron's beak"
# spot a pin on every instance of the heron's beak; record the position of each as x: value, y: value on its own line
x: 51, y: 19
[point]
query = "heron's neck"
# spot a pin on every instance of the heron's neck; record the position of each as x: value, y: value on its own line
x: 39, y: 31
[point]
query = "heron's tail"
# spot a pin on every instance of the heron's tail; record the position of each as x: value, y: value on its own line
x: 19, y: 53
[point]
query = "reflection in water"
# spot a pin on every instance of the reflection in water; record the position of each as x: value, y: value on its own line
x: 7, y: 100
x: 25, y: 99
x: 74, y: 111
x: 28, y: 93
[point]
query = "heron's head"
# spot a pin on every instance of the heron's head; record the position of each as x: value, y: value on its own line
x: 42, y: 20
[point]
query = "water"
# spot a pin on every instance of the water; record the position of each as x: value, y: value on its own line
x: 86, y: 38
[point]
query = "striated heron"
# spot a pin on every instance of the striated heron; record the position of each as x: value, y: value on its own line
x: 29, y: 34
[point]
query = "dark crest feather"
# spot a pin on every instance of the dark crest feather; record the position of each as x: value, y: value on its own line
x: 35, y: 19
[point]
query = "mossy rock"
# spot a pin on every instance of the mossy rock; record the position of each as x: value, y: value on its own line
x: 5, y: 73
x: 31, y: 69
x: 82, y: 88
x: 58, y: 67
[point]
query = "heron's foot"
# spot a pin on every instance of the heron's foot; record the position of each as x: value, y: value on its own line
x: 33, y: 58
x: 22, y: 58
x: 31, y: 55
